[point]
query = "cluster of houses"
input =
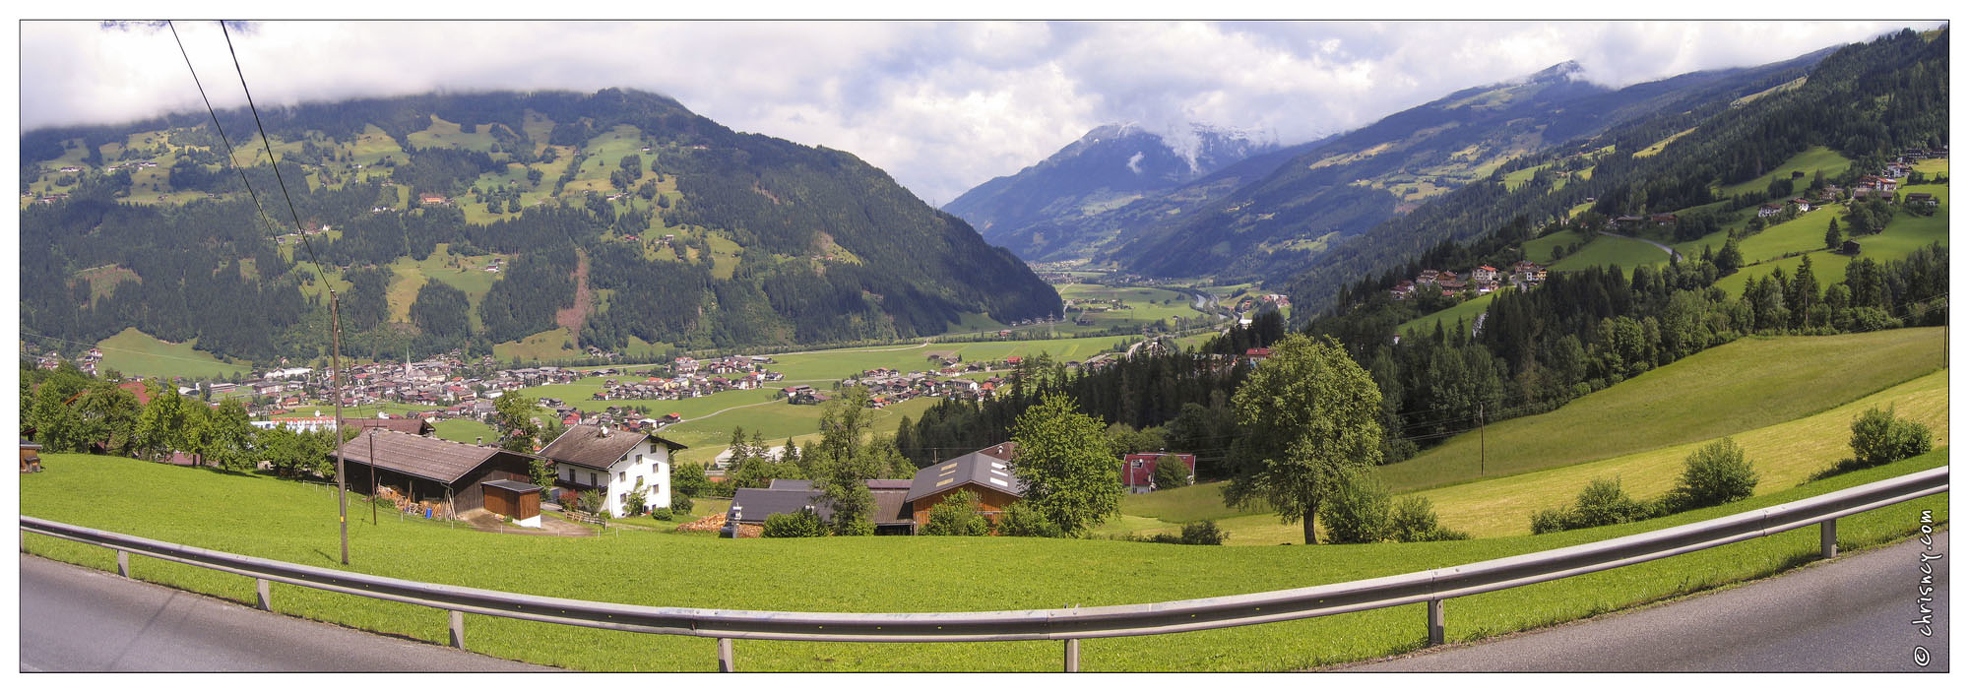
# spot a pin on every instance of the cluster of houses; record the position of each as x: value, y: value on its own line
x: 87, y: 364
x: 1482, y: 279
x: 902, y: 506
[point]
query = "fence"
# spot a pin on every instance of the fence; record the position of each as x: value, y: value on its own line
x: 1068, y: 624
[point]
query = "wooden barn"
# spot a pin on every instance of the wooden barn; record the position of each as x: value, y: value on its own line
x: 986, y: 475
x: 515, y: 499
x: 432, y: 469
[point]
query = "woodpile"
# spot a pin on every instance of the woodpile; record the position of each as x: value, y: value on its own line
x: 712, y: 523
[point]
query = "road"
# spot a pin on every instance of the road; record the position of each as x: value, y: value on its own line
x: 79, y: 620
x: 1850, y: 614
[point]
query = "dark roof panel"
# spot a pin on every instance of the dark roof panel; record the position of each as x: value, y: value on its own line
x: 515, y: 486
x: 597, y: 447
x: 439, y: 460
x: 976, y: 468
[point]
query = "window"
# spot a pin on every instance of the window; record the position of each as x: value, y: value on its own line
x: 591, y: 479
x: 639, y: 479
x: 639, y: 459
x: 622, y: 475
x: 1137, y: 464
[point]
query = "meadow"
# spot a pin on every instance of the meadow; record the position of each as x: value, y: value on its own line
x: 292, y: 521
x: 134, y: 353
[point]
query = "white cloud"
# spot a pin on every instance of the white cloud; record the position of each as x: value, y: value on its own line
x: 941, y: 106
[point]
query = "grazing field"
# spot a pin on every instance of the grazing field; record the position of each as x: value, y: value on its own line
x: 1813, y: 159
x: 1539, y: 249
x: 1747, y: 384
x: 1903, y: 236
x: 550, y: 345
x: 1466, y: 311
x: 1784, y: 455
x: 1611, y: 250
x: 465, y: 431
x: 1801, y: 235
x: 135, y: 353
x: 291, y: 521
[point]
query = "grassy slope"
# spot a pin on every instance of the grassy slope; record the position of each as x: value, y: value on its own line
x: 135, y: 353
x: 1747, y: 384
x: 1611, y: 250
x: 1903, y: 235
x: 1814, y: 159
x: 294, y: 522
x: 1466, y: 311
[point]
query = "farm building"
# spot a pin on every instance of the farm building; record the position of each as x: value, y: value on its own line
x: 614, y: 462
x: 430, y: 468
x: 986, y: 475
x: 751, y: 506
x: 515, y: 499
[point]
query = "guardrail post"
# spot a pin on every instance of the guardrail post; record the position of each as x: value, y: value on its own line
x: 458, y: 629
x: 1829, y: 538
x: 1073, y: 655
x: 725, y: 662
x: 266, y: 598
x: 1435, y: 621
x: 122, y: 563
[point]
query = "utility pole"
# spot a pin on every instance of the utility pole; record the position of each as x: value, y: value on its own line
x: 1480, y: 439
x: 372, y: 477
x: 341, y: 480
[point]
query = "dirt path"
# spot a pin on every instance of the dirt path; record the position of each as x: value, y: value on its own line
x: 584, y: 300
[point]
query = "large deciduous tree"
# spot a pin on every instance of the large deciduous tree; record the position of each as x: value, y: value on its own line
x: 1064, y: 459
x: 1304, y: 417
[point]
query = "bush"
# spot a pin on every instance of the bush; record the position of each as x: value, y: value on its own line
x: 1204, y: 533
x: 1021, y: 520
x: 805, y: 523
x: 1601, y: 503
x: 660, y: 514
x: 1170, y: 472
x: 957, y: 516
x: 681, y: 503
x: 1714, y: 474
x: 1355, y: 510
x: 1414, y: 519
x: 1880, y: 438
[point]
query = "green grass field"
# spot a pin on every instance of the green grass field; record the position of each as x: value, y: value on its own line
x: 1145, y: 305
x: 1539, y: 249
x: 135, y: 353
x: 1814, y: 159
x: 1803, y: 234
x: 545, y: 346
x: 465, y: 431
x: 1466, y: 311
x: 1747, y: 384
x: 1903, y: 235
x: 1610, y: 250
x: 294, y: 522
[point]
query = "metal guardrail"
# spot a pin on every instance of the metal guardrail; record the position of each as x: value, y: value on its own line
x: 1067, y: 624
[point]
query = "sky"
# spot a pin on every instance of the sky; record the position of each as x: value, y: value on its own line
x: 941, y: 106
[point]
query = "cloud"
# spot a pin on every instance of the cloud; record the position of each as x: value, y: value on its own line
x: 941, y: 106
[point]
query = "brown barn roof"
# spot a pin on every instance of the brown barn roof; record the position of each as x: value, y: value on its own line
x: 584, y: 445
x: 439, y: 460
x: 412, y: 426
x: 976, y: 468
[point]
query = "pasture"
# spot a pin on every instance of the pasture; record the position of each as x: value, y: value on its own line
x: 1610, y: 250
x: 295, y: 522
x: 1814, y: 159
x: 1748, y: 384
x: 1466, y: 312
x: 134, y: 353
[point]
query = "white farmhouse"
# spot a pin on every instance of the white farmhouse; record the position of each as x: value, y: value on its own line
x: 613, y: 461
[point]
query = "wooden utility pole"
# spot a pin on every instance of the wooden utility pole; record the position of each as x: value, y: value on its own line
x: 335, y: 363
x: 372, y: 477
x: 1480, y: 439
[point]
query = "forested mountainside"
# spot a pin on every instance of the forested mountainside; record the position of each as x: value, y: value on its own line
x: 610, y: 221
x: 1865, y: 100
x: 1299, y: 212
x: 1059, y: 208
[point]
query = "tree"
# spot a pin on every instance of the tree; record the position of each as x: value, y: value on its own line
x: 1066, y: 464
x: 1357, y: 508
x: 1304, y: 415
x: 513, y: 415
x: 957, y: 516
x: 1170, y: 472
x: 164, y: 422
x: 224, y: 436
x: 1832, y: 233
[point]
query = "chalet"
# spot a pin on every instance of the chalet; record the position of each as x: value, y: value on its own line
x: 1662, y: 219
x: 988, y: 476
x: 1850, y: 247
x: 1427, y: 276
x: 614, y: 462
x: 430, y: 468
x: 1484, y: 273
x: 1403, y: 289
x: 1802, y: 204
x: 1770, y: 209
x: 1921, y: 200
x: 432, y: 199
x: 1138, y: 470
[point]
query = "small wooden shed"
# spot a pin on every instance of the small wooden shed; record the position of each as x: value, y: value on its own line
x: 514, y: 499
x: 30, y: 456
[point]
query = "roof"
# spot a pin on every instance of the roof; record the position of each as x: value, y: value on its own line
x: 412, y: 426
x: 29, y: 445
x: 976, y: 468
x: 439, y: 460
x: 515, y: 486
x: 754, y: 505
x: 597, y: 447
x: 791, y: 485
x: 1003, y: 451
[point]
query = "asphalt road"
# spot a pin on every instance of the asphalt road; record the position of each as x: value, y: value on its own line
x: 1852, y: 614
x: 78, y: 620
